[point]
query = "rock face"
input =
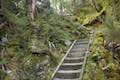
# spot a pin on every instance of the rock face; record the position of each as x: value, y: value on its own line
x: 67, y: 42
x: 42, y: 70
x: 114, y: 48
x: 38, y: 68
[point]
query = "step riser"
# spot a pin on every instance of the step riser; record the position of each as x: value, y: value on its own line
x: 82, y: 43
x: 73, y: 61
x: 66, y: 79
x: 70, y: 67
x: 67, y: 76
x: 77, y: 46
x: 80, y: 50
x: 80, y: 46
x: 72, y: 64
x: 76, y: 55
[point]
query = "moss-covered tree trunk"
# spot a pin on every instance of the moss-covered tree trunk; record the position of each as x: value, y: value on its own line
x: 61, y: 7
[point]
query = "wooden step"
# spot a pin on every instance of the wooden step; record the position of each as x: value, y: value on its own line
x: 67, y: 67
x: 80, y: 46
x: 73, y: 59
x: 72, y: 64
x: 67, y: 75
x: 80, y: 50
x: 69, y: 71
x: 65, y: 79
x: 82, y: 40
x: 81, y: 43
x: 77, y: 54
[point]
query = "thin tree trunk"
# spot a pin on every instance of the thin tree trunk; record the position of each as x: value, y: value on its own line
x: 31, y: 8
x: 74, y: 6
x: 1, y: 5
x: 61, y: 7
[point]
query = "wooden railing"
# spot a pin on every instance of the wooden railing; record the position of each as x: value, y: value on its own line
x: 62, y: 60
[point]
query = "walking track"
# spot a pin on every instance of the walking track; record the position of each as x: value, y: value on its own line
x: 73, y: 63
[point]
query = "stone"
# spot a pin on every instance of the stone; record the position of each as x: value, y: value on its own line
x: 68, y: 42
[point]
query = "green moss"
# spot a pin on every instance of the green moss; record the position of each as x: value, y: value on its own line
x: 100, y: 62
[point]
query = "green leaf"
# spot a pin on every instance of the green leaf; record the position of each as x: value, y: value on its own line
x: 3, y: 62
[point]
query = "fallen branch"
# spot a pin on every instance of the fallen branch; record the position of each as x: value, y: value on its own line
x: 90, y: 19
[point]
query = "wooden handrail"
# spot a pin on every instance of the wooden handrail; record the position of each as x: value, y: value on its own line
x: 62, y: 60
x: 86, y: 55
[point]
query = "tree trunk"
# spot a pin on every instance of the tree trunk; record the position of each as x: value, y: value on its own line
x: 31, y: 8
x: 61, y: 7
x: 75, y: 6
x: 1, y: 5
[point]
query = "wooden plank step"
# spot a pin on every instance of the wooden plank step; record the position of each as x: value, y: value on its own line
x: 86, y: 41
x: 81, y: 42
x: 67, y: 75
x: 73, y: 58
x: 65, y: 79
x: 67, y: 67
x: 80, y: 50
x: 69, y: 71
x: 76, y: 54
x: 80, y: 46
x: 72, y: 64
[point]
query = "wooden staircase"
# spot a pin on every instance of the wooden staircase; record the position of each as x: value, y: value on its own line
x: 72, y: 65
